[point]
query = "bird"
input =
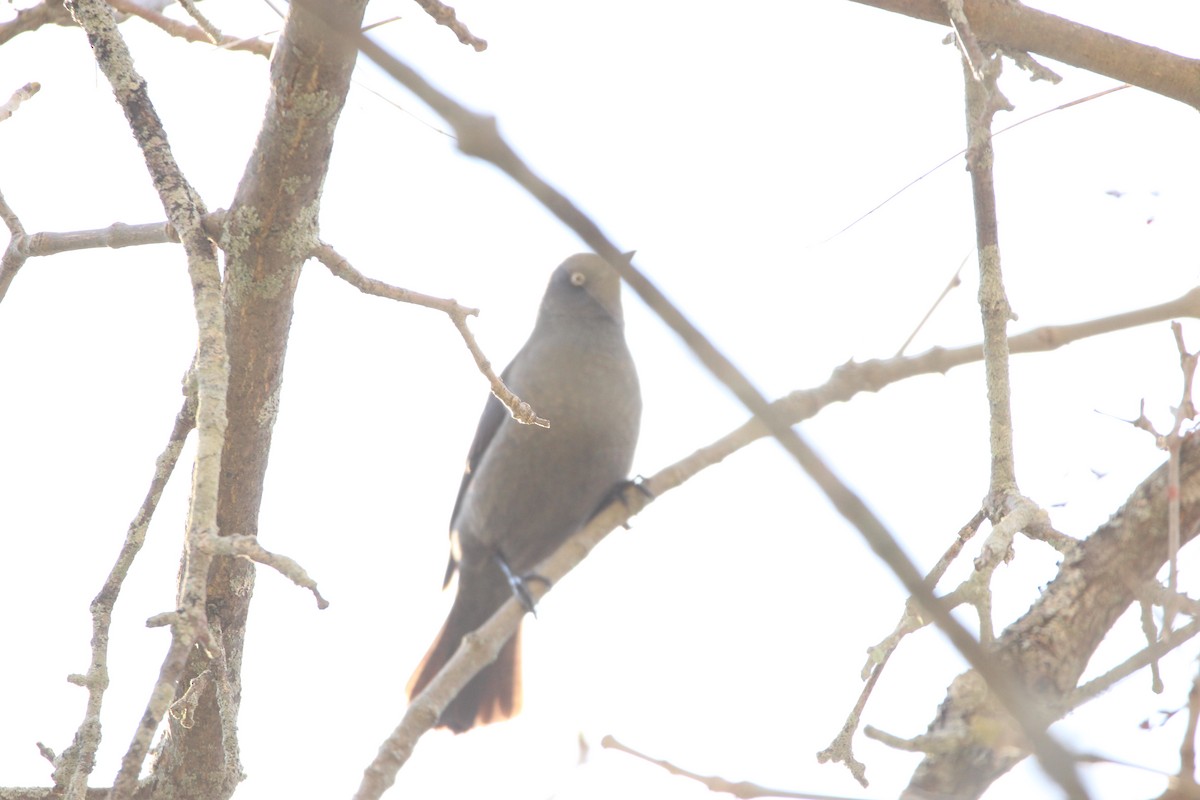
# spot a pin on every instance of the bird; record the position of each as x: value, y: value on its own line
x: 527, y: 489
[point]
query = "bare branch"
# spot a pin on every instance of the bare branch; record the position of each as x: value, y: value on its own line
x: 715, y: 783
x: 444, y: 15
x: 1184, y: 784
x: 185, y: 211
x: 983, y: 100
x: 214, y: 33
x: 75, y: 765
x: 841, y: 749
x: 48, y: 12
x: 1184, y: 412
x: 248, y: 547
x: 191, y: 33
x: 337, y: 264
x: 1151, y: 633
x: 1018, y: 27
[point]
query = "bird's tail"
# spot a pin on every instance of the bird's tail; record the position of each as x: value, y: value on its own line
x: 492, y: 695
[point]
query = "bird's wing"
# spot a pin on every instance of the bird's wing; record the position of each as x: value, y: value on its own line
x: 489, y: 422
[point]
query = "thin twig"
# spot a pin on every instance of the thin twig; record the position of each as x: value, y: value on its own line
x: 841, y: 749
x: 47, y: 12
x: 953, y: 284
x: 1140, y: 660
x: 1172, y: 441
x: 1185, y: 411
x: 337, y: 264
x: 192, y: 33
x: 954, y: 157
x: 715, y: 783
x: 23, y: 246
x: 1185, y: 781
x: 248, y: 547
x: 444, y: 15
x: 75, y: 765
x: 214, y: 33
x: 1151, y: 633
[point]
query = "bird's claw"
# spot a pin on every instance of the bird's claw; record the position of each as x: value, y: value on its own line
x: 520, y: 584
x: 618, y: 493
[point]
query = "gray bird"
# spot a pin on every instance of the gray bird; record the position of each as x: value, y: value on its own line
x: 526, y: 489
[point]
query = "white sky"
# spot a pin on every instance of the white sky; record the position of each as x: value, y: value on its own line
x: 726, y: 631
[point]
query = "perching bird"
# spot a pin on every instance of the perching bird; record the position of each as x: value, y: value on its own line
x: 526, y: 489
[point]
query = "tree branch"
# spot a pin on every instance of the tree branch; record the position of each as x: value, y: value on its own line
x: 1049, y: 647
x: 520, y: 410
x: 48, y: 12
x: 192, y: 33
x: 75, y: 764
x: 185, y: 211
x: 1019, y: 27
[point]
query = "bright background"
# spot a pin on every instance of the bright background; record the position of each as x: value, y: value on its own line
x: 724, y: 632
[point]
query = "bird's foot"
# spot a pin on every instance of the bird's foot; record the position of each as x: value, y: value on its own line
x: 618, y: 493
x: 520, y: 583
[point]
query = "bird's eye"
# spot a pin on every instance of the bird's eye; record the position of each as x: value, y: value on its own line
x: 578, y: 278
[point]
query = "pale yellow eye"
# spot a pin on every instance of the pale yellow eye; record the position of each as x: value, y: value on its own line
x: 578, y: 278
